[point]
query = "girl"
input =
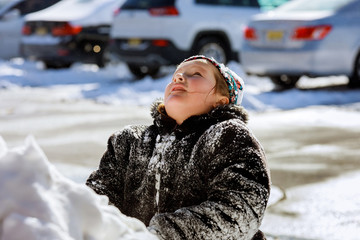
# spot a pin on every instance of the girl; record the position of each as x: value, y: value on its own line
x: 197, y: 172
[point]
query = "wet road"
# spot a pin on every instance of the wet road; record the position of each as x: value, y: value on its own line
x: 315, y: 171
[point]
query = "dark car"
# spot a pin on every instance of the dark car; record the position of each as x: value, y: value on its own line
x: 70, y: 31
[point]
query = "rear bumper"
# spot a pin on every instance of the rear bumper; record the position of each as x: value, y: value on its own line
x: 265, y: 62
x: 64, y: 50
x: 146, y: 53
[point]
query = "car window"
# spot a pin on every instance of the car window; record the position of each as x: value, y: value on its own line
x: 239, y: 3
x: 4, y: 2
x: 146, y: 4
x: 271, y: 4
x: 29, y: 6
x: 36, y: 5
x: 312, y: 5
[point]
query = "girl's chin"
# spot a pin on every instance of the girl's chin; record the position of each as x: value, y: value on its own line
x: 174, y: 99
x: 172, y: 104
x: 175, y: 104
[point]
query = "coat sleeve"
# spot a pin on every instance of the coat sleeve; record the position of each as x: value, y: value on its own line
x: 109, y: 178
x: 238, y: 189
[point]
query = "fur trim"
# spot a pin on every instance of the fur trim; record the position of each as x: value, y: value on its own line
x: 197, y: 123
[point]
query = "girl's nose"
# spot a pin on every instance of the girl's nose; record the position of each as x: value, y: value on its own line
x: 179, y: 77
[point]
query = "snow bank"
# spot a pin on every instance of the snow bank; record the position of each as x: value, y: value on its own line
x: 37, y: 202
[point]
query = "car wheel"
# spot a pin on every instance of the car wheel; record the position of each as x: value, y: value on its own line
x: 285, y: 81
x: 140, y: 71
x: 105, y: 58
x: 101, y: 61
x: 354, y: 79
x: 212, y: 47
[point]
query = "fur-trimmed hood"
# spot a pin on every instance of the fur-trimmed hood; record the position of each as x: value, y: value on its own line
x: 198, y: 122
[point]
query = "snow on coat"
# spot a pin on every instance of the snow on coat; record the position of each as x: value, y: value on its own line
x: 204, y: 179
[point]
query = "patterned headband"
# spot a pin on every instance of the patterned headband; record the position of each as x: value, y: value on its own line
x: 234, y: 82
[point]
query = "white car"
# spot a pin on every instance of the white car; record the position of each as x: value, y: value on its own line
x: 69, y: 31
x: 147, y: 34
x: 11, y: 21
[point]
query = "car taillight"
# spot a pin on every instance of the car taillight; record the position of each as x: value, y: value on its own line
x: 309, y: 33
x: 63, y: 52
x: 66, y: 29
x: 164, y: 11
x: 116, y: 12
x: 250, y: 34
x: 160, y: 43
x: 26, y: 30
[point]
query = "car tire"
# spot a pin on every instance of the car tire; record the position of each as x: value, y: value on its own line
x: 101, y: 61
x: 285, y: 81
x: 140, y: 71
x: 104, y: 57
x: 354, y: 79
x: 213, y: 47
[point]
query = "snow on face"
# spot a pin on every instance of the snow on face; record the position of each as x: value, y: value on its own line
x: 37, y: 202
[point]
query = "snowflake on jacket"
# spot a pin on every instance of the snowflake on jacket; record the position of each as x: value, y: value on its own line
x: 205, y: 179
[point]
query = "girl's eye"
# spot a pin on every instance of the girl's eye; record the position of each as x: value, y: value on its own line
x: 197, y: 74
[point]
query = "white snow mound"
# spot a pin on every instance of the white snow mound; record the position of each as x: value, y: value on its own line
x: 37, y: 202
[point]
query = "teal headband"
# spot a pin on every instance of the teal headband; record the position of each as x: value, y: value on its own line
x: 233, y: 81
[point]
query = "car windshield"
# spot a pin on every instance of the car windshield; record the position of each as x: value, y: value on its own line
x: 312, y: 5
x: 146, y: 4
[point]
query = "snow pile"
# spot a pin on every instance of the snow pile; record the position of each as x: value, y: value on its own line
x: 37, y: 202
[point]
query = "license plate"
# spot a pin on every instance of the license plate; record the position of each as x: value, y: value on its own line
x: 134, y: 42
x: 274, y: 35
x: 41, y: 31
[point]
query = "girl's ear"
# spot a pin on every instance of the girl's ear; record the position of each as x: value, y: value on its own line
x: 222, y: 100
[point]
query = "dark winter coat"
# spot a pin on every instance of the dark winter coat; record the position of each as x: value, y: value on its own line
x: 204, y: 179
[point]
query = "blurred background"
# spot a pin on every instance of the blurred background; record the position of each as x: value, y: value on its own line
x: 72, y: 72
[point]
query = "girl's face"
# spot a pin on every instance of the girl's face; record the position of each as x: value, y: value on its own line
x: 191, y: 91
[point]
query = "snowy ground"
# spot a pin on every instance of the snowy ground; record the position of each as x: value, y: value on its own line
x: 311, y: 135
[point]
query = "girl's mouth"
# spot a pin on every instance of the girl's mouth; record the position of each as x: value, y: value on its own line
x: 178, y: 88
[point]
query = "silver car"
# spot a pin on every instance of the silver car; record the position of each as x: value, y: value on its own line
x: 304, y: 37
x: 12, y: 15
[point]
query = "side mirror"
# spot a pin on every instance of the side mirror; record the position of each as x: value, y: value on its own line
x: 11, y: 15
